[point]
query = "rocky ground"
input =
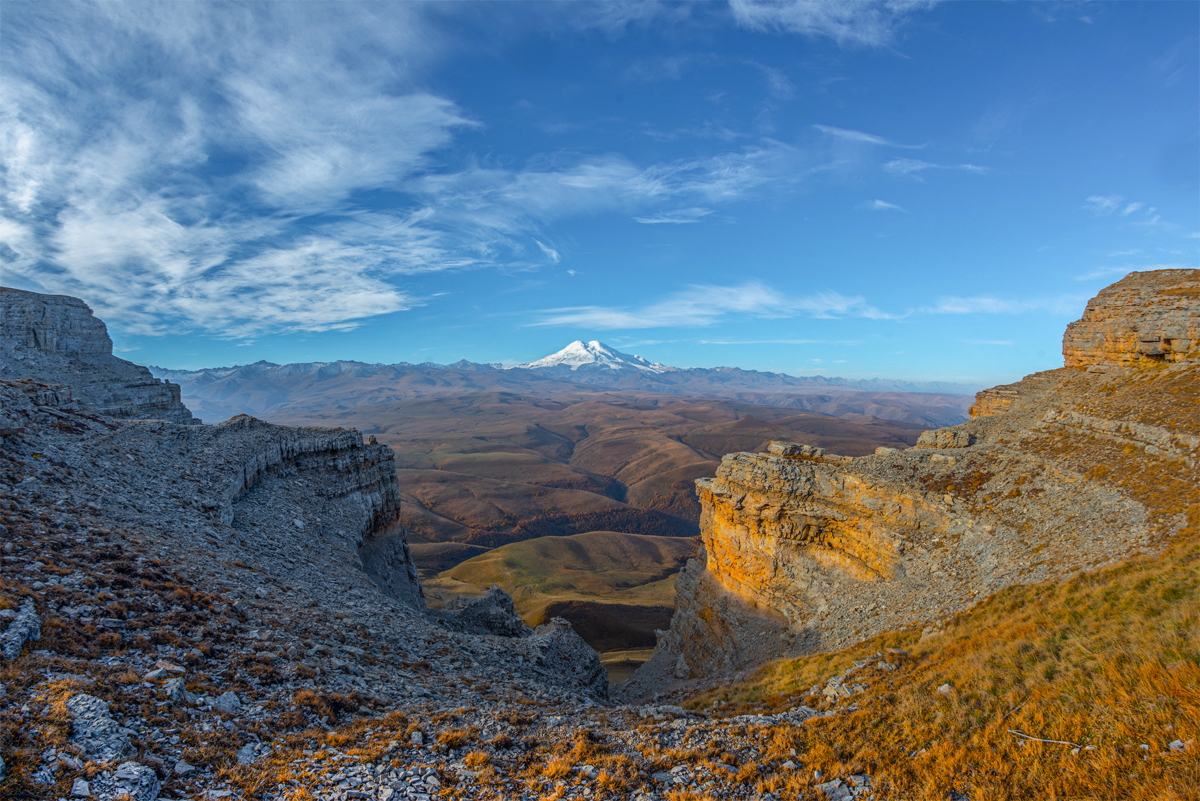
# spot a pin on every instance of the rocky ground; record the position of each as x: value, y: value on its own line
x: 136, y: 667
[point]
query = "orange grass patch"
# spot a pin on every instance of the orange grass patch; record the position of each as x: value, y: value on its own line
x: 1109, y: 659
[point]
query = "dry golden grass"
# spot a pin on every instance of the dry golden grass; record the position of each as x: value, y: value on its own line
x: 1109, y: 659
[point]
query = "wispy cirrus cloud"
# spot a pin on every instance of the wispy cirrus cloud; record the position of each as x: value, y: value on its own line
x: 883, y: 205
x: 703, y: 305
x: 236, y: 186
x: 1103, y: 204
x: 1138, y: 213
x: 914, y: 167
x: 677, y: 217
x: 859, y: 137
x: 1060, y: 304
x: 853, y: 22
x: 845, y: 342
x: 1121, y: 271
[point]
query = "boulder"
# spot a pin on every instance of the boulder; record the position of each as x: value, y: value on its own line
x: 491, y: 613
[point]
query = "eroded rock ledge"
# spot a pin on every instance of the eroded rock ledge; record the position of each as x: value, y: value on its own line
x: 1066, y: 470
x: 294, y: 522
x: 57, y: 340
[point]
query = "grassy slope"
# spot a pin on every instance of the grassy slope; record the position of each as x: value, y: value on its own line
x: 1109, y: 659
x: 599, y: 566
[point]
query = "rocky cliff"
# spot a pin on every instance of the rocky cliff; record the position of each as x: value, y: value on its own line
x: 56, y: 339
x: 301, y: 521
x: 1066, y: 470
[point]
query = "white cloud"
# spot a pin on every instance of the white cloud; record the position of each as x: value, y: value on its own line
x: 855, y: 22
x: 213, y: 196
x: 914, y: 167
x: 1103, y: 204
x: 1131, y: 208
x: 883, y: 205
x: 850, y: 135
x: 677, y: 217
x: 1062, y: 304
x: 703, y: 305
x: 777, y: 342
x: 1122, y: 271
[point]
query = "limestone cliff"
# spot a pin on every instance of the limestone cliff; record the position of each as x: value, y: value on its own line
x: 1063, y: 471
x: 240, y: 474
x: 301, y: 522
x: 55, y: 339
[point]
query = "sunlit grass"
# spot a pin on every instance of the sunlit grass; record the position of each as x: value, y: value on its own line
x: 1108, y: 660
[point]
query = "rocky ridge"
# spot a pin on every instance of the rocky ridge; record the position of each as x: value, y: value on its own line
x: 1067, y: 470
x: 57, y: 339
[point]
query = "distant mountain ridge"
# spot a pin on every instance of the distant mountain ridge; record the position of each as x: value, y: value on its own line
x: 585, y: 362
x: 265, y: 388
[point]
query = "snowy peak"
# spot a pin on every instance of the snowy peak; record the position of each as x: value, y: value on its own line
x: 595, y: 354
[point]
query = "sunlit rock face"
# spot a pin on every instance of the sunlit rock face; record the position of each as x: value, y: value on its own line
x: 1146, y: 318
x: 1066, y: 470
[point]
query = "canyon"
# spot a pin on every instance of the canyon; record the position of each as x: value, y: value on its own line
x: 1067, y: 470
x: 236, y: 611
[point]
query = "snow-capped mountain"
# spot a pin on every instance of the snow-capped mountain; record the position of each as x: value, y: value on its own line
x: 594, y: 354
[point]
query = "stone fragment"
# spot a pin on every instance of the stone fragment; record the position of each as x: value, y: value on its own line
x: 182, y: 768
x: 131, y: 779
x: 249, y: 753
x: 491, y: 613
x: 562, y: 657
x: 417, y: 738
x: 834, y: 790
x: 175, y: 691
x: 25, y: 627
x: 95, y: 731
x: 227, y: 702
x: 80, y: 788
x: 945, y: 689
x: 945, y: 438
x: 795, y: 449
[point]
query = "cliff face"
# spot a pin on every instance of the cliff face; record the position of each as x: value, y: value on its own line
x: 299, y: 523
x: 239, y: 474
x: 1147, y: 318
x: 1064, y: 471
x: 55, y: 339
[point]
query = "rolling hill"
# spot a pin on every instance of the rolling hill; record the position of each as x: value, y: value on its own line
x: 615, y: 588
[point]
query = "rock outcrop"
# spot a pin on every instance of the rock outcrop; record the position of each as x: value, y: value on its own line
x: 1147, y: 318
x: 55, y: 339
x: 299, y: 523
x: 1066, y: 470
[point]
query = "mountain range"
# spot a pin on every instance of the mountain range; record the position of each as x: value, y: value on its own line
x: 265, y: 388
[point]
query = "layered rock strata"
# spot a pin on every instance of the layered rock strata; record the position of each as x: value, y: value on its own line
x: 1147, y: 318
x: 56, y: 339
x: 1066, y: 470
x: 300, y: 521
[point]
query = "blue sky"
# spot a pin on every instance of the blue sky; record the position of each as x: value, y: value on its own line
x: 902, y: 189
